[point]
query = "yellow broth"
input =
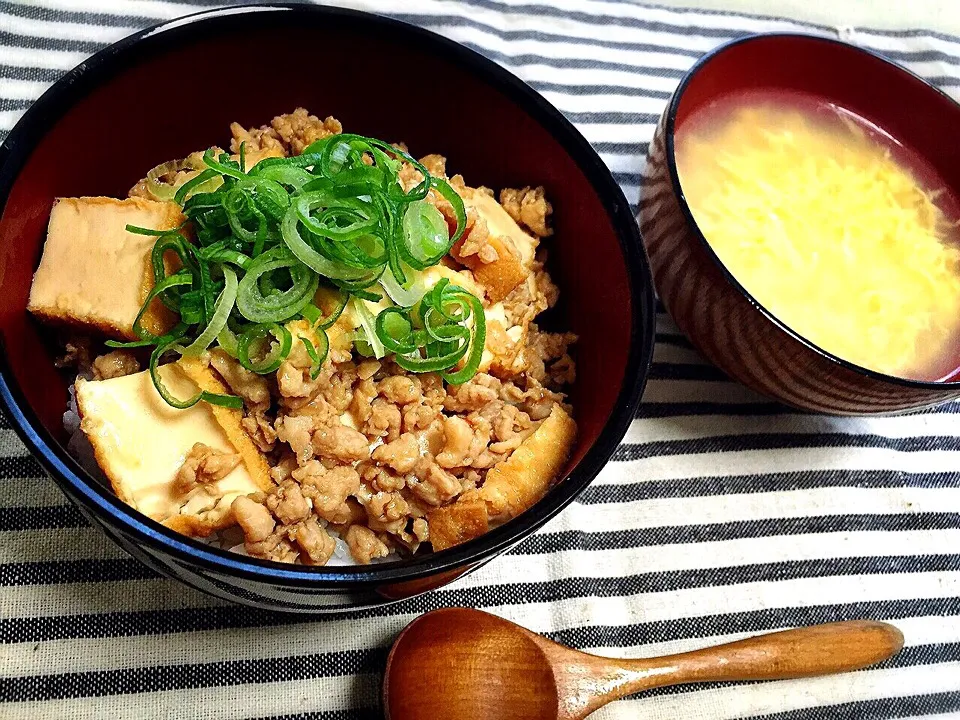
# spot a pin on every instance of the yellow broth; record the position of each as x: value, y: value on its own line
x: 843, y: 234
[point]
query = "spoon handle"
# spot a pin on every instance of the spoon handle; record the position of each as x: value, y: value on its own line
x: 817, y: 650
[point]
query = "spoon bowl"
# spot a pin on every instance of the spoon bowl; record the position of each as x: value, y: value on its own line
x: 473, y: 651
x: 463, y: 663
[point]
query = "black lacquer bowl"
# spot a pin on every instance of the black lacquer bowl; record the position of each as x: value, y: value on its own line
x: 150, y: 98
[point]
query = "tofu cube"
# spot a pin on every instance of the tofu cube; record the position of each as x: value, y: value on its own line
x: 96, y: 275
x: 140, y: 443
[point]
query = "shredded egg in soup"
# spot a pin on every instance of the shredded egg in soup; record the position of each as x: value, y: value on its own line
x: 841, y: 233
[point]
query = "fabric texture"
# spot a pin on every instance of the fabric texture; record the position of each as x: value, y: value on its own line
x: 722, y: 514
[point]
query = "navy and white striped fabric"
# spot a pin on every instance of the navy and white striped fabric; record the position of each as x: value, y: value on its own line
x: 723, y: 514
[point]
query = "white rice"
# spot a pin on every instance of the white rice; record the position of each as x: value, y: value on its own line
x: 78, y: 445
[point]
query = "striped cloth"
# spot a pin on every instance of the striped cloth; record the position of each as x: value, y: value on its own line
x: 722, y: 515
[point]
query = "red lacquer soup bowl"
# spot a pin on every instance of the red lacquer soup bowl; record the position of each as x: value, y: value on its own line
x: 710, y: 306
x: 154, y: 96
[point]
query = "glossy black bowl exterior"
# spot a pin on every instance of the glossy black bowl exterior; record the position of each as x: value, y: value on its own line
x: 150, y: 98
x: 709, y: 305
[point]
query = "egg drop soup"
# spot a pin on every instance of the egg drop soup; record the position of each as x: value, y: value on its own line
x: 843, y: 234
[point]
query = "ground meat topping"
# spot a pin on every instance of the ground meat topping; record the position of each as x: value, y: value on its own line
x: 365, y: 545
x: 76, y: 354
x: 400, y: 454
x: 477, y: 239
x: 543, y: 348
x: 291, y: 133
x: 384, y: 421
x: 315, y: 543
x: 293, y: 378
x: 288, y: 504
x: 457, y: 436
x: 432, y: 484
x: 253, y: 388
x: 436, y: 165
x: 528, y: 207
x: 260, y: 429
x: 263, y: 139
x: 295, y: 430
x: 368, y: 368
x: 115, y: 364
x: 254, y: 518
x: 401, y: 389
x: 418, y: 417
x: 340, y: 442
x: 386, y: 511
x: 328, y: 489
x: 204, y: 464
x: 474, y: 394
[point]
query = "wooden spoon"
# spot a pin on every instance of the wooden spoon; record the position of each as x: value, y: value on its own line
x: 463, y: 664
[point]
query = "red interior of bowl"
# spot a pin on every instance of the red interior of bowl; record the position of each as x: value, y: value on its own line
x: 892, y: 98
x: 165, y: 106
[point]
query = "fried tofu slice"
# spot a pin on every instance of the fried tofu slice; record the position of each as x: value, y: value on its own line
x: 457, y: 523
x: 515, y: 248
x: 511, y: 486
x: 518, y: 482
x: 140, y: 443
x: 96, y: 275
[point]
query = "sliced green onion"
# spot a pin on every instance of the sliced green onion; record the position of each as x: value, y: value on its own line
x: 451, y: 196
x: 227, y: 340
x: 342, y: 299
x: 269, y: 196
x: 175, y: 243
x: 159, y: 190
x: 311, y: 313
x: 447, y: 326
x: 221, y: 311
x: 239, y: 207
x: 368, y: 327
x: 293, y: 177
x: 222, y: 165
x: 406, y: 295
x: 477, y: 342
x: 198, y: 184
x: 314, y: 315
x: 229, y: 401
x: 313, y: 259
x: 278, y: 339
x: 206, y: 288
x: 262, y: 238
x: 426, y: 238
x: 395, y: 331
x: 137, y: 230
x: 128, y: 345
x: 163, y: 286
x: 317, y: 357
x: 224, y: 255
x: 367, y: 295
x: 277, y: 305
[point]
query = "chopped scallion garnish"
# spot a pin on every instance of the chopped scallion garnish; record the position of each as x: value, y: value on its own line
x: 259, y: 242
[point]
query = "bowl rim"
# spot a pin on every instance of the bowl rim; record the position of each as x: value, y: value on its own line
x: 670, y: 136
x: 82, y: 488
